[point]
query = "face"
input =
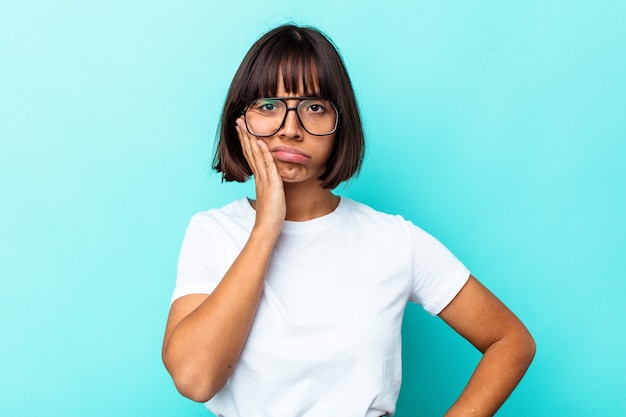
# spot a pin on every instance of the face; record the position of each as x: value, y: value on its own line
x: 299, y: 156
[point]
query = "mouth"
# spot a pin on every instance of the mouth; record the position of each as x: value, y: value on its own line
x: 289, y: 154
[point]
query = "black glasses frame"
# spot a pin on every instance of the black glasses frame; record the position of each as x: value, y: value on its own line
x: 295, y: 108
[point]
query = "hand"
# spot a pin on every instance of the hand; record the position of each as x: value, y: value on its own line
x: 271, y: 207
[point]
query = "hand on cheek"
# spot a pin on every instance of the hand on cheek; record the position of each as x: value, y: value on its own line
x: 270, y: 195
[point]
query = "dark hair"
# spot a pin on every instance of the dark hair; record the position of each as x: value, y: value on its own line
x: 305, y: 56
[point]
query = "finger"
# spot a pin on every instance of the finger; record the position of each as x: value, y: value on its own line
x: 243, y: 137
x: 246, y: 147
x: 268, y: 158
x: 256, y: 152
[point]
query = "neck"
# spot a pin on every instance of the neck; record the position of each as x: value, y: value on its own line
x: 306, y: 203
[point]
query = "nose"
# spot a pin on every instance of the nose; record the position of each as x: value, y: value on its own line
x: 291, y: 127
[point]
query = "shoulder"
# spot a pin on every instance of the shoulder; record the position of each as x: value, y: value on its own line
x: 235, y: 210
x: 394, y: 225
x: 379, y: 226
x: 364, y: 213
x: 235, y: 215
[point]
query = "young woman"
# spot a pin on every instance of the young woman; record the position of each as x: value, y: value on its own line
x: 291, y: 304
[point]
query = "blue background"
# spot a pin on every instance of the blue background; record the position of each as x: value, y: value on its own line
x: 497, y: 126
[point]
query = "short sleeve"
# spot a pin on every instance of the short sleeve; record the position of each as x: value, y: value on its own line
x: 199, y: 270
x: 438, y: 275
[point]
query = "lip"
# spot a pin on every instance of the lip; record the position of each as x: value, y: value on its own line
x: 289, y: 154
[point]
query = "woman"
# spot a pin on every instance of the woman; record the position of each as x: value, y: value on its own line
x: 291, y: 304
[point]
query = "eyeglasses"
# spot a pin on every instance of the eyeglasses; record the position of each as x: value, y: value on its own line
x: 266, y: 116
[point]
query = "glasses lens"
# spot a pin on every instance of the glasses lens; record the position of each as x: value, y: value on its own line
x: 318, y: 116
x: 264, y: 117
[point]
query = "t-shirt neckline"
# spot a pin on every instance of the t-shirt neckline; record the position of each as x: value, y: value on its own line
x: 317, y: 223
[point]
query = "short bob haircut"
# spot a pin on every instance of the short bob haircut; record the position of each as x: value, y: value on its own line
x: 306, y: 59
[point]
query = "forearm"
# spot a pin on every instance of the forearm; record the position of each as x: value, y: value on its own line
x: 202, y: 349
x: 499, y: 371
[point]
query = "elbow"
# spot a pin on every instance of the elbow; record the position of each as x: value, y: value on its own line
x: 195, y: 387
x: 517, y: 347
x: 526, y: 348
x: 192, y: 383
x: 194, y: 392
x: 530, y: 348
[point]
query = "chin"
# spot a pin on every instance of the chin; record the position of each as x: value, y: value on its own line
x: 291, y: 178
x: 293, y: 173
x: 289, y: 173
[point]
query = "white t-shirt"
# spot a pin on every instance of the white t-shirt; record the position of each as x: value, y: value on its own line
x: 326, y: 337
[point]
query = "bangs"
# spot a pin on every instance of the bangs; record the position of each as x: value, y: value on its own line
x: 295, y: 61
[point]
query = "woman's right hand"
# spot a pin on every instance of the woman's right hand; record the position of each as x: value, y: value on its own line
x: 270, y: 207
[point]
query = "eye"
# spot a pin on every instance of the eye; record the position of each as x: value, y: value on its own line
x: 264, y: 106
x: 314, y: 106
x: 268, y: 106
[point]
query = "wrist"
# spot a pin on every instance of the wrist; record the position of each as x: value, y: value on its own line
x: 266, y: 233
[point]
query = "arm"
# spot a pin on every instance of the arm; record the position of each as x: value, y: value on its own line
x: 507, y: 347
x: 204, y: 334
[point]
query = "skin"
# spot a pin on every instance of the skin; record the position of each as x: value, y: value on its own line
x: 205, y: 334
x: 507, y: 347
